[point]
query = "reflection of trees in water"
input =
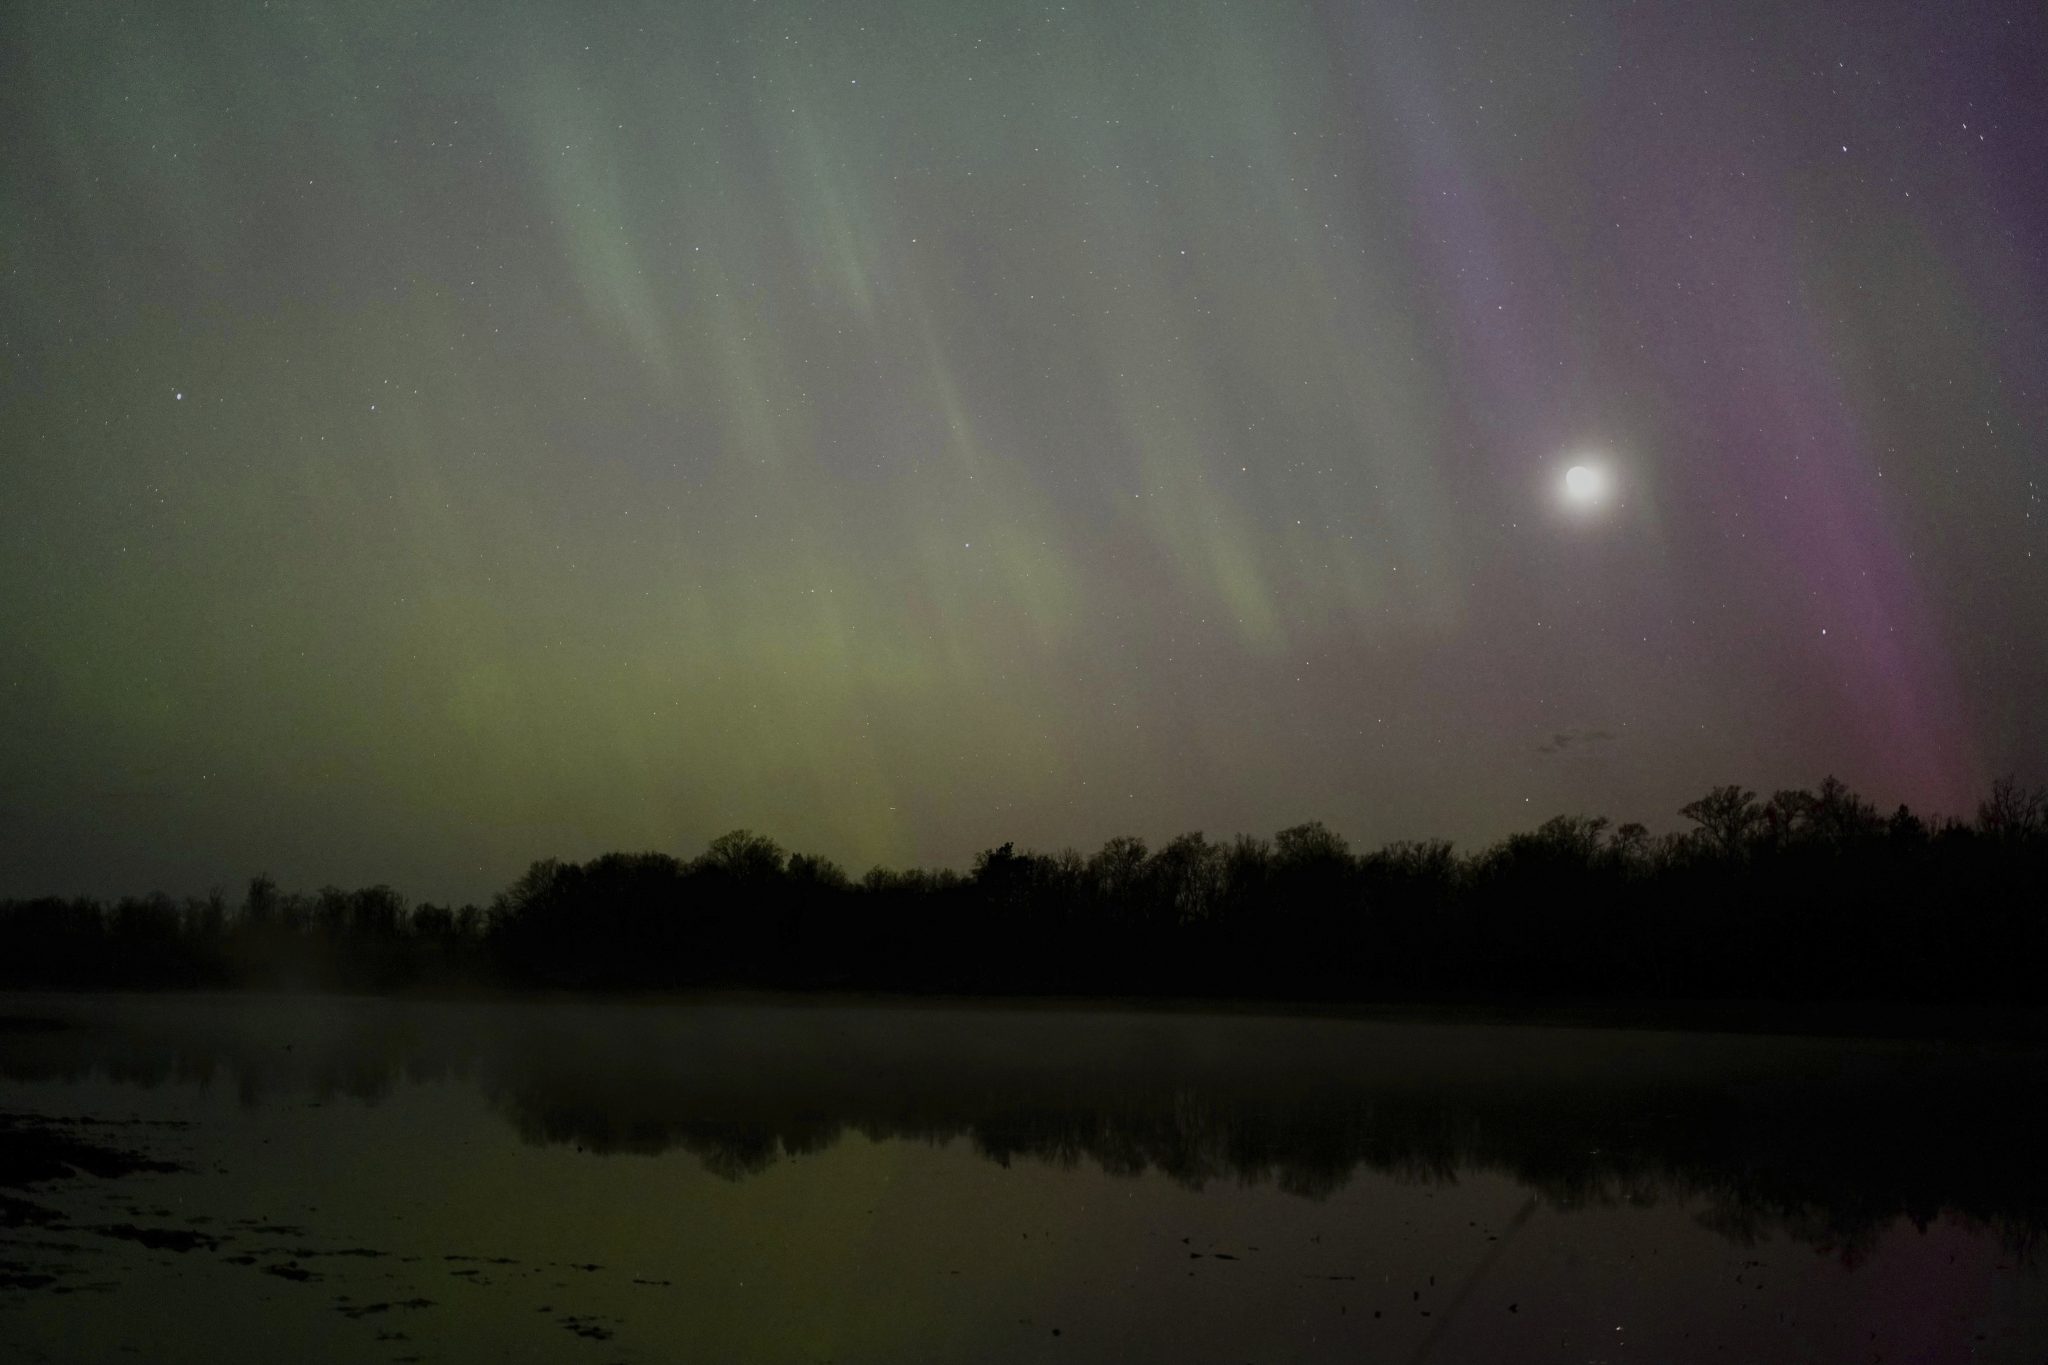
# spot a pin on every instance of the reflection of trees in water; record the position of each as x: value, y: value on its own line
x: 1828, y: 1143
x: 1832, y: 1174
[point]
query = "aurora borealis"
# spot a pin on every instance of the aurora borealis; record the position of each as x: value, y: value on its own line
x: 437, y: 436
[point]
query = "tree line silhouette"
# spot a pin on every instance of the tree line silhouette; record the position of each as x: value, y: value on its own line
x: 1809, y: 895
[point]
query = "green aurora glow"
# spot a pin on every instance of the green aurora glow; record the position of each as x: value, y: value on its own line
x: 437, y: 436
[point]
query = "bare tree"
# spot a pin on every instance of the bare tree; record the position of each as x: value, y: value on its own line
x: 1726, y: 816
x: 2013, y: 811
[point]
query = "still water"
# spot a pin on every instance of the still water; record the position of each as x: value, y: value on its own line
x: 237, y: 1178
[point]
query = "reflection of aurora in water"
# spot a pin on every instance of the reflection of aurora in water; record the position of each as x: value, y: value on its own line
x: 1826, y: 1140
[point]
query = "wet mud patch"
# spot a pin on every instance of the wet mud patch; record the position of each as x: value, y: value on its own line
x: 371, y: 1310
x: 159, y: 1239
x: 589, y: 1327
x: 15, y: 1275
x: 34, y: 1149
x: 293, y: 1271
x: 37, y: 1151
x: 21, y: 1213
x: 270, y: 1229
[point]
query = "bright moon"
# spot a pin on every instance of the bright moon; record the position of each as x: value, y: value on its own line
x: 1585, y: 485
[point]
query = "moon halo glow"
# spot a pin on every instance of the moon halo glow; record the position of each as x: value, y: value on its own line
x: 1586, y: 486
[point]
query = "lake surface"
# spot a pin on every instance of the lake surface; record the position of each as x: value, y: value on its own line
x: 256, y: 1178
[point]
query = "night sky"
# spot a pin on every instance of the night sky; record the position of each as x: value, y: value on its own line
x: 435, y: 436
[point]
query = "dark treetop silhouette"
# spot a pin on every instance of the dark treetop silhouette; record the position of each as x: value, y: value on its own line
x: 1806, y: 896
